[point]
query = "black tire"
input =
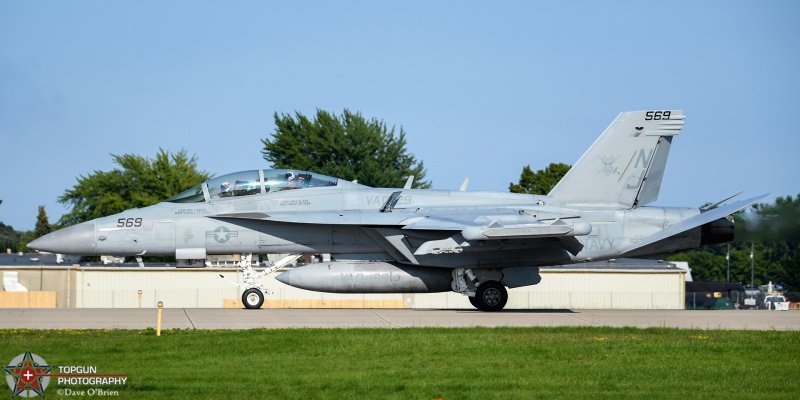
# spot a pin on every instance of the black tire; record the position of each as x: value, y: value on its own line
x: 474, y: 302
x: 490, y: 296
x: 252, y: 298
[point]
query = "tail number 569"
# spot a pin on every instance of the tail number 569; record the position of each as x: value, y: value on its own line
x: 656, y: 115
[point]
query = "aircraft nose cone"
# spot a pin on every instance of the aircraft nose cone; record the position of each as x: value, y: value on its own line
x: 76, y: 239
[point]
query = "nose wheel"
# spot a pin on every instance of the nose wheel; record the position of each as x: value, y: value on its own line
x: 253, y: 298
x: 490, y: 296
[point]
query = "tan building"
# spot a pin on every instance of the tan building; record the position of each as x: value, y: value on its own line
x: 626, y: 284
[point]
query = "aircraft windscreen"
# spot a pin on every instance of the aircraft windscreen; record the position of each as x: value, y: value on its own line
x: 243, y: 183
x: 286, y: 179
x: 193, y: 195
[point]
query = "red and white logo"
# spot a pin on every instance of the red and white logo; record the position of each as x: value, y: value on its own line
x: 27, y: 375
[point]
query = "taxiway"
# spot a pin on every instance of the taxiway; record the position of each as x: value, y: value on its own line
x: 208, y: 318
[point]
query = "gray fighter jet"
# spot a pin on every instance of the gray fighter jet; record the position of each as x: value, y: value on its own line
x: 403, y: 240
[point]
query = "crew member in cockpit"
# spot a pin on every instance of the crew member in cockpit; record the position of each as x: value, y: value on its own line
x: 225, y: 189
x: 290, y: 182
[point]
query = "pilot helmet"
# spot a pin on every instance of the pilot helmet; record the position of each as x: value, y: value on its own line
x: 226, y: 186
x: 289, y: 176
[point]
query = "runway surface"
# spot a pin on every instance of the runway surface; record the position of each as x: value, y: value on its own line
x: 208, y: 318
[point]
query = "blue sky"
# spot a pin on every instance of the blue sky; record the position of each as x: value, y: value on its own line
x: 480, y: 88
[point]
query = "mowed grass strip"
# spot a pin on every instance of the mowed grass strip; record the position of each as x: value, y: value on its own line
x: 420, y: 363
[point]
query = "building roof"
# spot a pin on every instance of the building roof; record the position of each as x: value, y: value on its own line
x: 36, y: 260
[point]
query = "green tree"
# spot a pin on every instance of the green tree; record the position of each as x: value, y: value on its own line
x: 139, y: 182
x: 706, y: 266
x: 9, y: 238
x: 778, y: 222
x: 27, y: 237
x: 42, y: 224
x: 541, y: 181
x: 42, y: 228
x: 347, y: 146
x: 777, y: 226
x: 790, y: 266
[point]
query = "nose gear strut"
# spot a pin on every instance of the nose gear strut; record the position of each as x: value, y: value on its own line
x: 253, y: 288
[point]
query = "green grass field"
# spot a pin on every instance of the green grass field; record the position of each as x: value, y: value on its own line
x: 475, y: 363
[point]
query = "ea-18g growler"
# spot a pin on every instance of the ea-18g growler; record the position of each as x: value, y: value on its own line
x: 403, y: 240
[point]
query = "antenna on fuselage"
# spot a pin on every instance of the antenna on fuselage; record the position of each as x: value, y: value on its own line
x: 409, y: 182
x: 464, y: 185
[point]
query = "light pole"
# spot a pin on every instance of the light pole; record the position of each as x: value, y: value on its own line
x: 752, y: 266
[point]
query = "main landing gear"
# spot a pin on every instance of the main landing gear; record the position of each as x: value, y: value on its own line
x: 490, y: 296
x: 484, y: 294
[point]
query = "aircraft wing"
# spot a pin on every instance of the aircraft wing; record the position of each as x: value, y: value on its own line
x: 474, y: 224
x: 491, y: 224
x: 693, y: 222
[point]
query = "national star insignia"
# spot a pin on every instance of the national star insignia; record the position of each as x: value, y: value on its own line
x: 222, y: 234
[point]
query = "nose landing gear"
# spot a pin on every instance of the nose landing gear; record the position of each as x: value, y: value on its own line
x: 254, y: 290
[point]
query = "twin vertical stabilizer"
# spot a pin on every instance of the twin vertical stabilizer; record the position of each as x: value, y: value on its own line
x: 624, y: 167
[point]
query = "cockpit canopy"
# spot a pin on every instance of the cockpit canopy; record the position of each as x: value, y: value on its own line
x: 248, y: 183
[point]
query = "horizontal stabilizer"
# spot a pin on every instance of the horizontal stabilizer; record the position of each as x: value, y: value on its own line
x: 697, y: 220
